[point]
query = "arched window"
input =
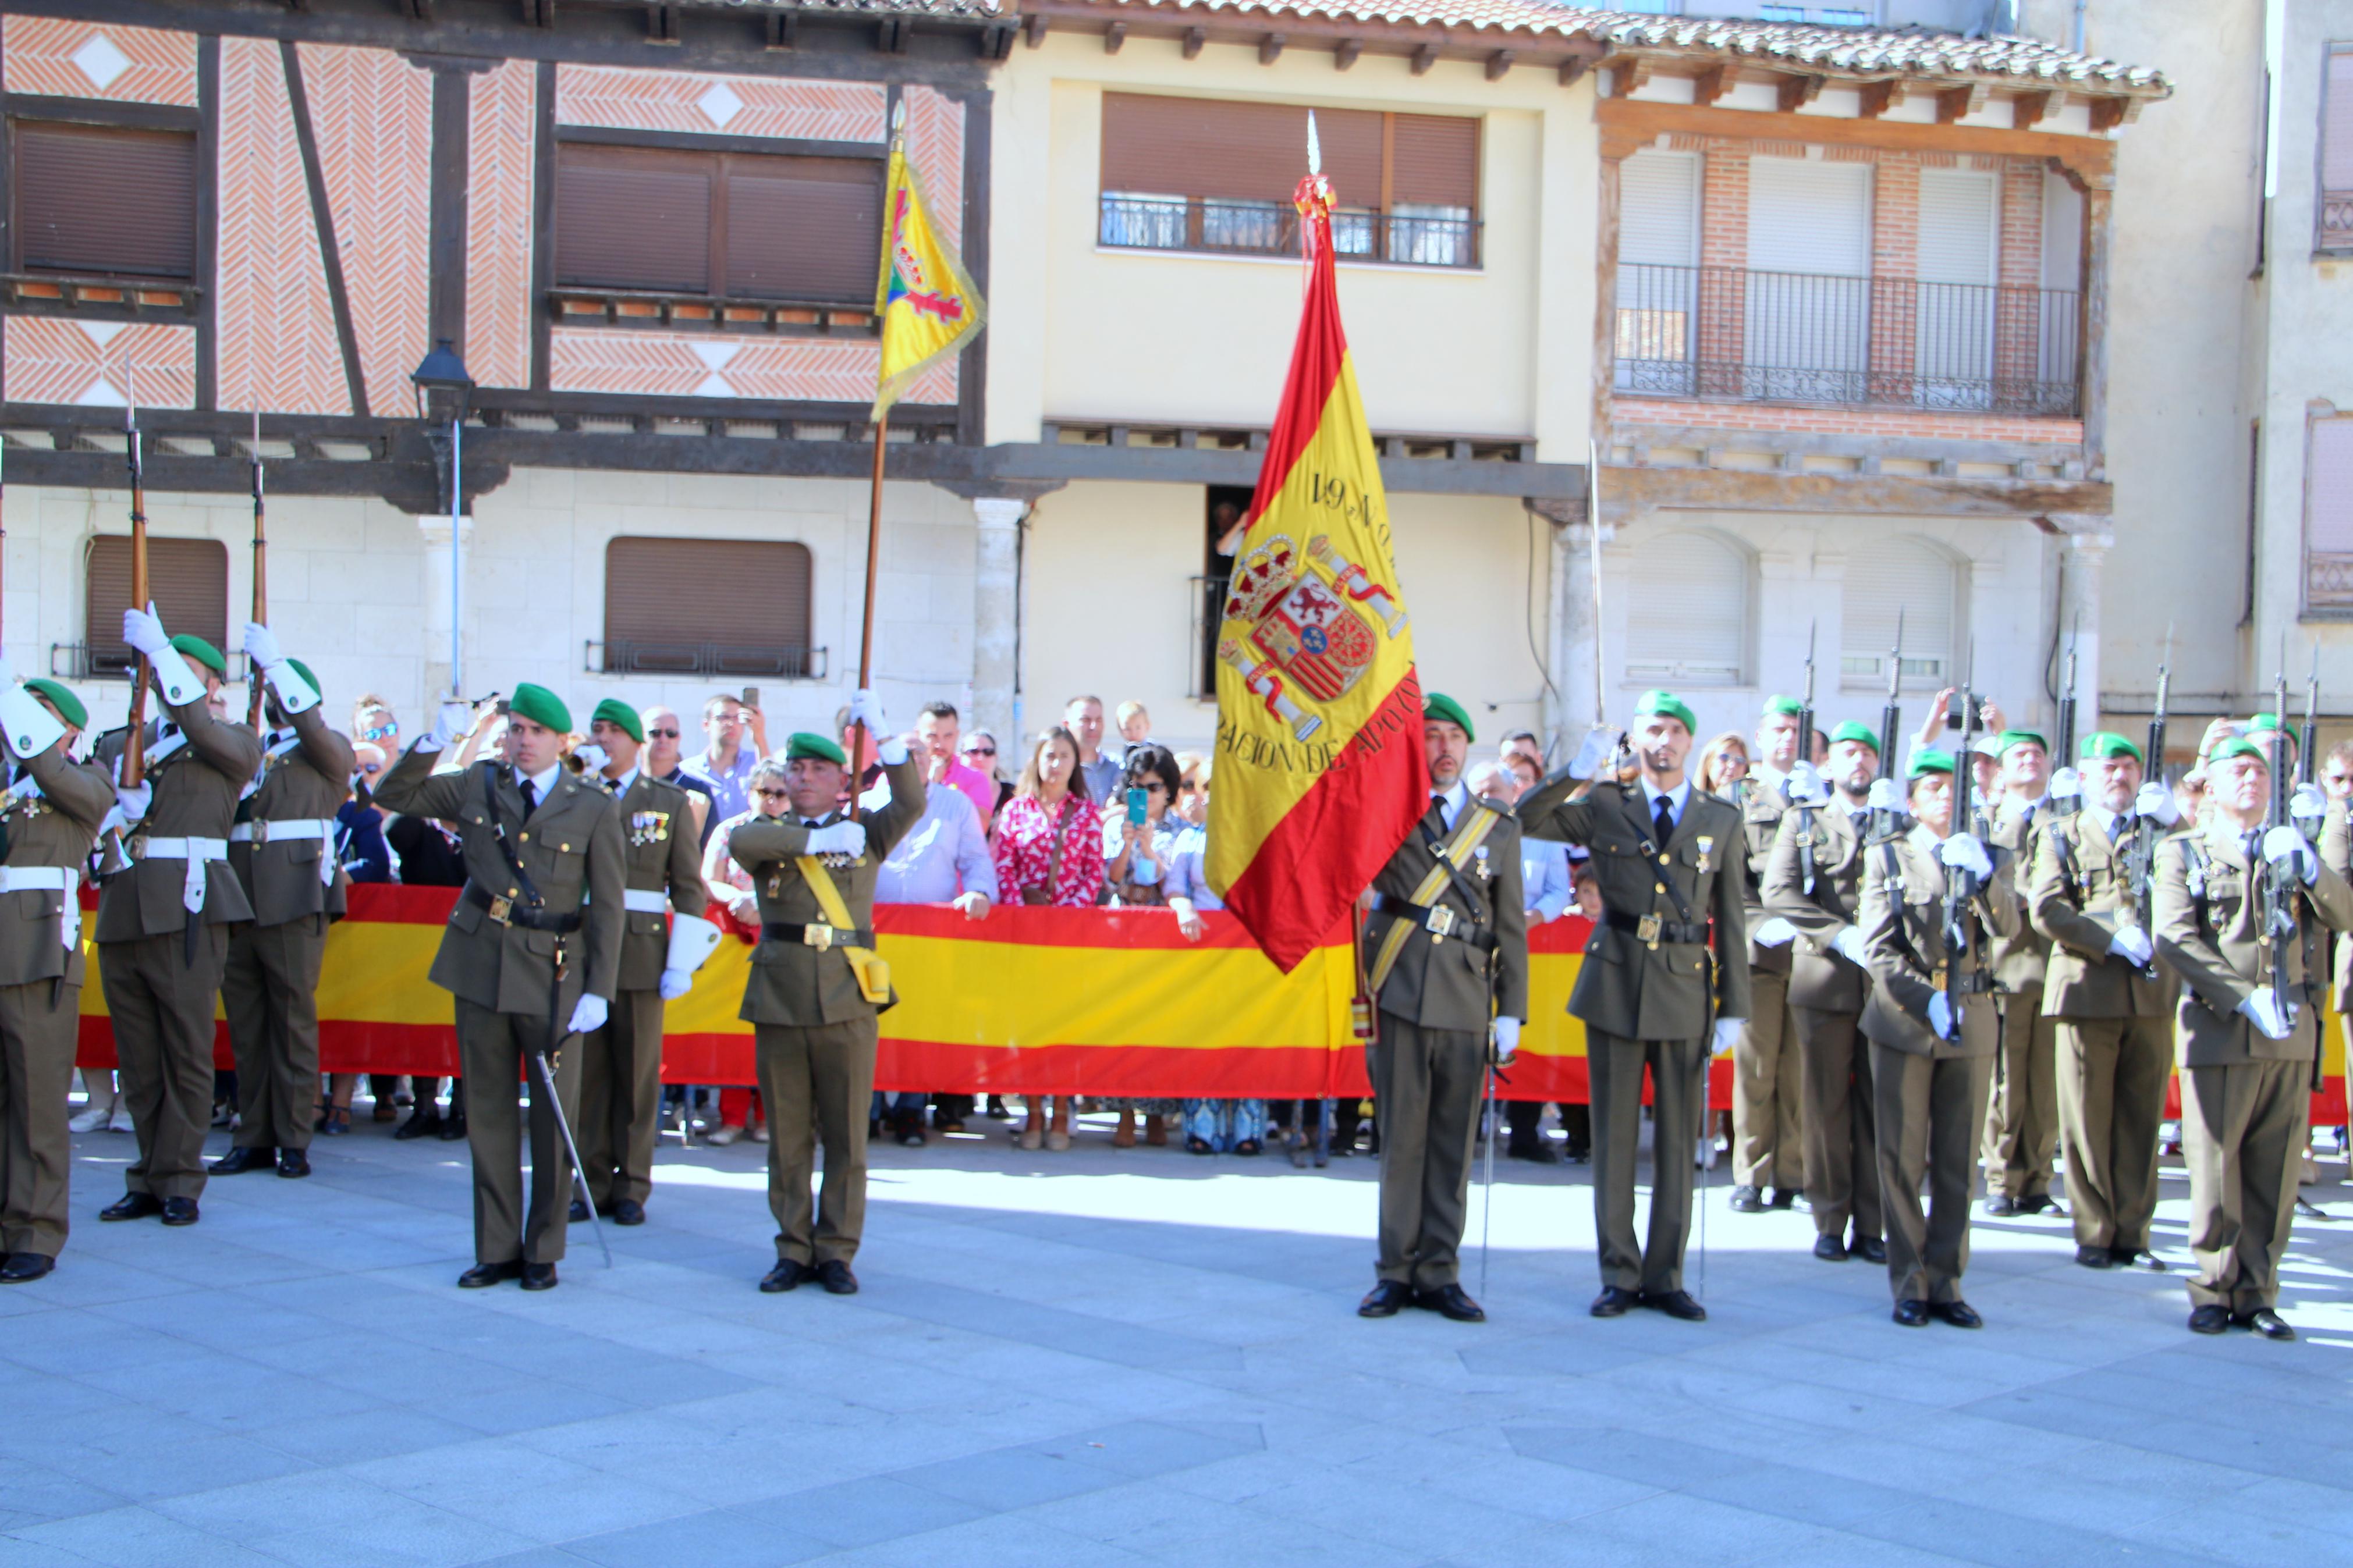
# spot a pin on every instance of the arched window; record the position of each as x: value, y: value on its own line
x: 1690, y: 621
x: 1916, y: 577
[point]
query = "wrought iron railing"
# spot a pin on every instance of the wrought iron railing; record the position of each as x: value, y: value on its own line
x: 2335, y: 220
x: 1727, y: 332
x: 1442, y: 238
x: 773, y: 660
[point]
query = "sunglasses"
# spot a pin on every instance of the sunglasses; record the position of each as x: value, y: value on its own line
x: 1154, y: 786
x: 371, y: 769
x: 1188, y: 787
x: 661, y: 734
x: 379, y: 731
x: 980, y: 751
x: 769, y: 792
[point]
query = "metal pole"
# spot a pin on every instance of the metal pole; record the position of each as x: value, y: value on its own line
x: 456, y: 559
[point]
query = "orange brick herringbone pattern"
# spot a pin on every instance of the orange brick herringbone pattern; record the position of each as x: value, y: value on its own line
x: 628, y: 99
x: 373, y: 113
x: 277, y: 329
x: 98, y: 363
x: 935, y: 143
x: 657, y: 364
x: 498, y: 224
x: 135, y: 65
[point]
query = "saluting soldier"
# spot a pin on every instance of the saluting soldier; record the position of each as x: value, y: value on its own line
x: 2021, y: 1129
x: 2246, y: 1033
x: 1815, y: 883
x: 817, y: 990
x: 1663, y: 983
x: 535, y: 937
x: 163, y: 919
x: 2108, y: 999
x: 1768, y: 1154
x: 621, y: 1063
x: 283, y: 849
x: 1448, y: 937
x: 49, y: 817
x: 1930, y: 1071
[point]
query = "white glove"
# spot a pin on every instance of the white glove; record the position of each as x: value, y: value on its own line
x: 1773, y: 931
x: 133, y: 800
x: 1966, y: 852
x: 676, y: 982
x: 2306, y: 802
x: 593, y: 757
x: 2066, y: 784
x: 841, y: 838
x: 1885, y: 796
x: 588, y: 1015
x: 260, y: 645
x: 2156, y: 803
x: 866, y: 707
x: 142, y: 630
x: 449, y: 721
x: 2262, y: 1010
x: 1727, y: 1034
x: 892, y: 752
x: 1507, y: 1040
x: 1804, y: 785
x: 2132, y: 944
x: 1940, y: 1015
x: 2284, y: 842
x: 1601, y: 744
x: 1848, y: 943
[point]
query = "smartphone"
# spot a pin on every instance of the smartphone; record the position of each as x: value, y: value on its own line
x: 752, y: 697
x: 1135, y: 808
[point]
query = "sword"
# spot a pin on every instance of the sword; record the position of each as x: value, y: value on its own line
x: 1487, y: 1182
x: 545, y: 1081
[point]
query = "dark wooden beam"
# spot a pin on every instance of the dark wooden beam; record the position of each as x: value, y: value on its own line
x: 207, y: 258
x: 2107, y: 113
x: 418, y: 10
x: 331, y: 254
x: 1573, y: 70
x: 1796, y: 91
x: 661, y: 24
x: 1269, y: 48
x: 102, y: 111
x: 782, y: 27
x: 1033, y: 29
x: 2029, y: 110
x: 1114, y: 36
x: 1711, y: 85
x: 539, y: 12
x: 1953, y: 104
x: 718, y: 141
x: 1628, y: 77
x: 1627, y: 128
x: 1344, y: 53
x: 896, y: 33
x: 543, y: 222
x: 1879, y: 97
x: 1195, y: 38
x: 1498, y: 63
x: 445, y: 308
x: 1424, y: 57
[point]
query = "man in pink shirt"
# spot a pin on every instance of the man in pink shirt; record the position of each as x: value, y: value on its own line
x: 938, y: 730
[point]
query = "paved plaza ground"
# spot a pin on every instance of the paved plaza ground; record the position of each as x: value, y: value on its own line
x: 1108, y: 1358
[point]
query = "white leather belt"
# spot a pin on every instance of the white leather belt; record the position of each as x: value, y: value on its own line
x: 646, y: 900
x: 291, y: 830
x: 196, y: 852
x: 49, y: 879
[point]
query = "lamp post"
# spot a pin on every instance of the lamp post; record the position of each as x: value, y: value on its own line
x: 443, y: 388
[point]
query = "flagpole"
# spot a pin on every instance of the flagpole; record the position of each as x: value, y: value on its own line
x: 866, y: 627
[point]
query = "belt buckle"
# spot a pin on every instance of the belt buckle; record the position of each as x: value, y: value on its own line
x: 1438, y: 922
x: 503, y: 909
x: 817, y: 937
x: 260, y: 832
x: 1646, y: 931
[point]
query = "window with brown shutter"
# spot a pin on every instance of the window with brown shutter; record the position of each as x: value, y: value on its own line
x: 1205, y: 175
x: 2328, y: 517
x: 98, y: 200
x: 187, y: 578
x: 2337, y: 152
x: 708, y: 606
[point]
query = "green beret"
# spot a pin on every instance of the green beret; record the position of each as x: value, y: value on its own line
x: 540, y: 706
x: 2101, y: 743
x: 1787, y: 707
x: 622, y: 717
x: 1666, y: 705
x: 304, y: 671
x: 2008, y: 738
x: 804, y: 744
x: 1856, y: 730
x: 2265, y: 721
x: 1929, y: 760
x: 68, y: 705
x: 202, y: 652
x: 1438, y: 705
x: 2240, y: 746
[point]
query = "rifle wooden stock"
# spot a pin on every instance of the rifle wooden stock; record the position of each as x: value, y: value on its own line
x: 134, y: 743
x: 260, y: 580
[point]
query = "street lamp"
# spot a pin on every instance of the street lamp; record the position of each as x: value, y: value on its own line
x: 442, y: 388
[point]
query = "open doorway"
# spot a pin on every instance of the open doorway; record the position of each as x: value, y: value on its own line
x: 1223, y: 510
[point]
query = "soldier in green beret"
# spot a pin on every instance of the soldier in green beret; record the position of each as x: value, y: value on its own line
x: 531, y: 956
x: 1663, y: 983
x: 49, y: 817
x: 2021, y: 1130
x: 1815, y: 883
x: 164, y: 919
x: 1769, y: 1155
x: 666, y: 941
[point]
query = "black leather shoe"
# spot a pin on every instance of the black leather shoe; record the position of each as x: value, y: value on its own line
x: 1385, y: 1300
x: 1534, y: 1149
x: 453, y: 1127
x: 1614, y: 1302
x: 837, y: 1278
x: 1450, y: 1302
x: 2001, y: 1205
x: 1912, y: 1315
x: 293, y: 1163
x: 132, y: 1205
x: 2266, y: 1323
x: 1746, y: 1199
x: 180, y: 1211
x: 785, y: 1276
x: 1577, y: 1152
x: 238, y: 1160
x: 2039, y: 1203
x: 486, y: 1274
x: 539, y: 1275
x: 2095, y: 1257
x: 576, y: 1212
x: 22, y: 1267
x: 2209, y: 1320
x: 1870, y: 1249
x: 1830, y: 1250
x: 1961, y: 1314
x: 629, y: 1211
x: 420, y: 1122
x: 1676, y: 1304
x: 1782, y: 1197
x: 2139, y: 1257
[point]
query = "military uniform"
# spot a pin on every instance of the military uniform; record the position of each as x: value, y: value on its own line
x: 281, y: 848
x: 1767, y: 1089
x: 518, y: 969
x: 813, y: 1029
x: 1928, y: 1094
x: 2022, y: 1126
x: 49, y: 817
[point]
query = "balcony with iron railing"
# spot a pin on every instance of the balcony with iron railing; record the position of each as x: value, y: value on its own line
x: 2335, y: 222
x: 1731, y: 334
x: 1408, y: 235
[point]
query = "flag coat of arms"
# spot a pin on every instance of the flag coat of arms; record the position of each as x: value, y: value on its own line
x: 927, y: 304
x: 1320, y: 770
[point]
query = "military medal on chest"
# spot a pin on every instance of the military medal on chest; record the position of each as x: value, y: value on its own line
x: 649, y: 827
x: 1706, y: 847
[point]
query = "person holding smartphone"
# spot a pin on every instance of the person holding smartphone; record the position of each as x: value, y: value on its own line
x: 1139, y: 845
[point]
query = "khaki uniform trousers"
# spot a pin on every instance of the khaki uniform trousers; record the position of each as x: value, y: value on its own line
x: 1614, y: 1066
x: 1767, y: 1095
x: 620, y: 1099
x: 2111, y: 1074
x: 1928, y: 1110
x: 817, y: 1084
x: 162, y: 1006
x: 492, y: 1047
x: 2021, y: 1123
x: 1426, y: 1085
x: 2243, y: 1129
x: 1841, y: 1155
x: 270, y: 993
x: 38, y: 1025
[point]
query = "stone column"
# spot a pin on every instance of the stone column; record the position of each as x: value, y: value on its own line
x: 444, y: 601
x: 996, y: 618
x: 1575, y: 641
x: 2080, y: 564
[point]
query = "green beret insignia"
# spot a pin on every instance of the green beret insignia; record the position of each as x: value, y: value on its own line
x: 1438, y: 705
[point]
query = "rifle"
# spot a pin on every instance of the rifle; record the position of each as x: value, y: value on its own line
x: 1806, y: 756
x: 1961, y: 886
x: 2309, y: 742
x: 134, y: 740
x: 2141, y: 860
x: 1891, y: 720
x: 2065, y: 756
x: 2278, y: 895
x: 260, y: 579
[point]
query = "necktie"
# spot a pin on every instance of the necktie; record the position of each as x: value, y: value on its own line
x: 613, y: 786
x: 2115, y: 829
x: 1438, y: 805
x: 1663, y: 818
x: 530, y: 797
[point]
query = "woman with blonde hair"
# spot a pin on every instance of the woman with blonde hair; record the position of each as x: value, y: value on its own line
x: 1723, y: 764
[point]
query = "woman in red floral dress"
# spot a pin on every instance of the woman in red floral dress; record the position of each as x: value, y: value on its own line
x: 1050, y: 851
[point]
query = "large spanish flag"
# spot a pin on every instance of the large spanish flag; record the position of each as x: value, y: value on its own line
x: 1320, y: 774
